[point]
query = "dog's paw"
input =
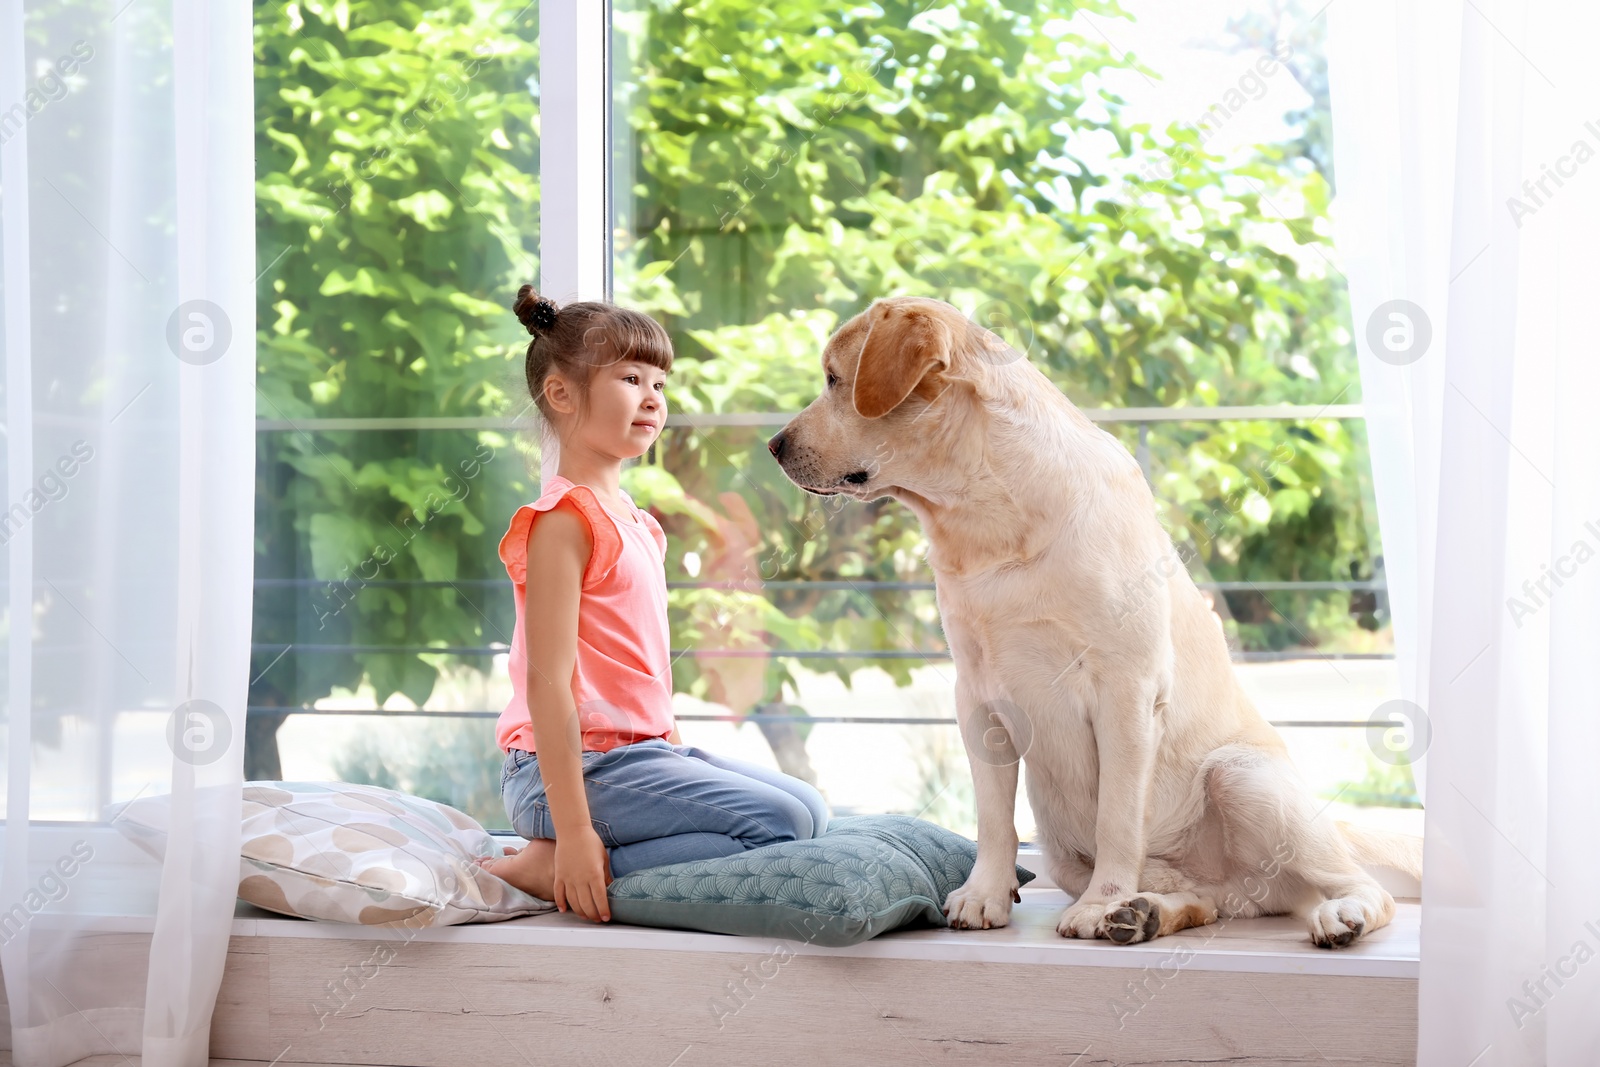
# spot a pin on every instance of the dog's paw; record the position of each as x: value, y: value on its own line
x: 1082, y: 919
x: 1130, y: 921
x: 1336, y: 923
x: 978, y: 905
x: 1125, y: 922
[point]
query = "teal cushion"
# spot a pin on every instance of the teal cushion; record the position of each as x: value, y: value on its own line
x: 864, y: 875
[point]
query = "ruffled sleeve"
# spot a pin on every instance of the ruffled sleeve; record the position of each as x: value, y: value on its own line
x: 656, y: 532
x: 603, y: 532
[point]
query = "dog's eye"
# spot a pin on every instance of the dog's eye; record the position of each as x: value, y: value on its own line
x: 831, y: 379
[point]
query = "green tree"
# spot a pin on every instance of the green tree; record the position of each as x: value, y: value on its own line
x: 781, y: 164
x: 395, y: 153
x: 972, y: 153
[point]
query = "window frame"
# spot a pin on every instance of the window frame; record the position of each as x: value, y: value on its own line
x: 576, y: 176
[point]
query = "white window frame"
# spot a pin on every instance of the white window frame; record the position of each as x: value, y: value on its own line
x: 574, y: 156
x: 576, y: 94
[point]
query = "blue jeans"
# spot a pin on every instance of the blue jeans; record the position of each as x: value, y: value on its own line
x: 654, y: 803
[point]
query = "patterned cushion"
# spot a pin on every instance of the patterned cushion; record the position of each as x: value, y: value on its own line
x: 864, y: 875
x: 353, y: 854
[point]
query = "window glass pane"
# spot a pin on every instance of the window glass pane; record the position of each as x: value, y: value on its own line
x: 1150, y: 236
x: 397, y: 197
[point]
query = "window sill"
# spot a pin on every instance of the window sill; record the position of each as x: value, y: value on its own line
x: 332, y: 993
x: 1276, y: 945
x: 1248, y: 990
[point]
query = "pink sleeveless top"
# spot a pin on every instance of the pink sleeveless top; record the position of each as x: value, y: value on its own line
x: 622, y: 679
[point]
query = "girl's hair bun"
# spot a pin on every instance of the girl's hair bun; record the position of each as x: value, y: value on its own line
x: 536, y: 313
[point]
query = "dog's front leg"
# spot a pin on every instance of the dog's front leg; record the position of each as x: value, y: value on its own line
x: 985, y: 899
x: 1125, y: 741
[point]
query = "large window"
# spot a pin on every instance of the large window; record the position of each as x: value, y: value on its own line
x: 778, y: 168
x: 398, y: 204
x: 1153, y: 233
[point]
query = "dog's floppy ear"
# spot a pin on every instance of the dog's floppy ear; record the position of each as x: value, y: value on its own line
x: 901, y: 348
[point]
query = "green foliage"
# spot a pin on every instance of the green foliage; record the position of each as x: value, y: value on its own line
x: 395, y: 155
x: 781, y: 164
x: 425, y: 757
x: 974, y: 154
x: 944, y: 792
x: 1383, y: 785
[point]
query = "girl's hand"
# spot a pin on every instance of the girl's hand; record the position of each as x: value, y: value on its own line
x: 583, y: 870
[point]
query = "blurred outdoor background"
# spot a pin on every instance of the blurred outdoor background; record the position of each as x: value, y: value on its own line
x: 1138, y: 198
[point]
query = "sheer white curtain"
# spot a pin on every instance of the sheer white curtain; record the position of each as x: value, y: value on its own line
x: 1467, y: 155
x: 127, y: 215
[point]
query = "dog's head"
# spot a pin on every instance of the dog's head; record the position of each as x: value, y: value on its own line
x: 901, y: 381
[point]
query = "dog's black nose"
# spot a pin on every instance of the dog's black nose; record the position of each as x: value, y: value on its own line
x: 775, y: 446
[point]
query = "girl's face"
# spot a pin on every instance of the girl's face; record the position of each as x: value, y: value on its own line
x: 627, y: 408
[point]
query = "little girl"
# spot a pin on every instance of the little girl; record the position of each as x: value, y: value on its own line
x: 611, y: 789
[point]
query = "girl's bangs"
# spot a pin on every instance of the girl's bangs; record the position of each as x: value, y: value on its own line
x: 644, y: 342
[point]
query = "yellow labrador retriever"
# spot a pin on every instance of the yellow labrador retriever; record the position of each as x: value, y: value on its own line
x: 1082, y: 648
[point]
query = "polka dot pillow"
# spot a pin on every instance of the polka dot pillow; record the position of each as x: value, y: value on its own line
x: 354, y: 854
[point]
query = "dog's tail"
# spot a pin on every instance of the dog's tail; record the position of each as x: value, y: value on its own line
x: 1384, y: 848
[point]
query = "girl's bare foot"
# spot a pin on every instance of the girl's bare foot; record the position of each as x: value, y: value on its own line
x: 532, y: 870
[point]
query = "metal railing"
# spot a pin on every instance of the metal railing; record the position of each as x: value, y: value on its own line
x: 764, y: 653
x: 1141, y: 417
x: 1221, y: 413
x: 755, y: 717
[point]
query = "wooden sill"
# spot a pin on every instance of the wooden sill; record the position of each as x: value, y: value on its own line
x: 558, y: 989
x: 1277, y: 945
